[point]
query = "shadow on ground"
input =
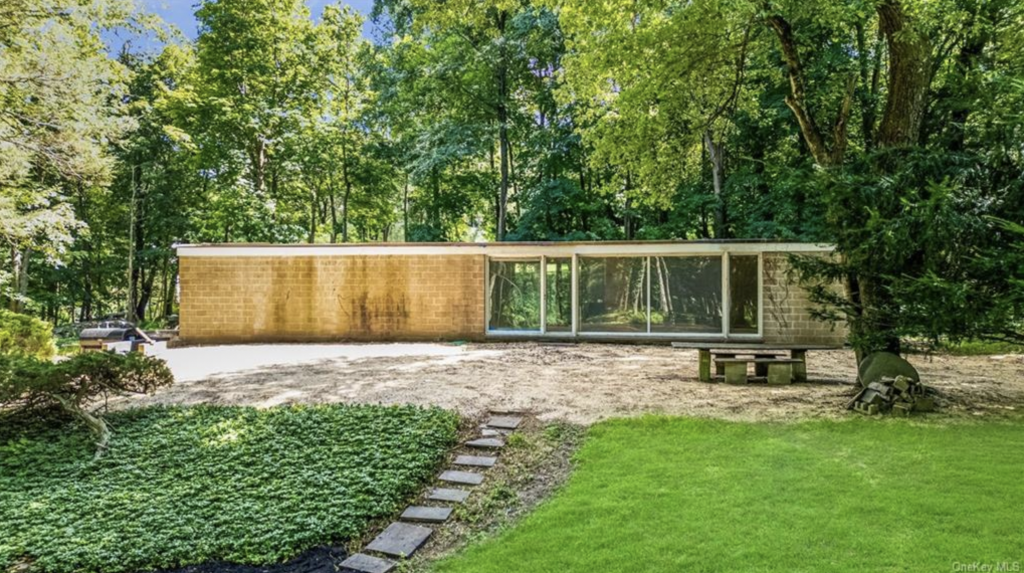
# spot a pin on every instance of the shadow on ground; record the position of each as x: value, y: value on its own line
x: 577, y: 383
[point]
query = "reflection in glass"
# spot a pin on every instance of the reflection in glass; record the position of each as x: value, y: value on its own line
x: 743, y: 309
x: 559, y: 295
x: 613, y: 294
x: 514, y: 291
x: 686, y: 294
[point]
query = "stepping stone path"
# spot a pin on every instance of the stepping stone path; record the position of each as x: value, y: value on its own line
x: 426, y: 514
x: 486, y: 443
x: 479, y: 461
x: 505, y: 422
x: 400, y: 539
x: 368, y: 563
x: 466, y: 478
x: 451, y: 495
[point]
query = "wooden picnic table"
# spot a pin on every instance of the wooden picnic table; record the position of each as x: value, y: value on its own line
x: 759, y: 352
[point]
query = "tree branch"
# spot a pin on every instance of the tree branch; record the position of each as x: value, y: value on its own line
x: 797, y: 98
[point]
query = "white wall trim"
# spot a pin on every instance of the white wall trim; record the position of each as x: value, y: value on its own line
x: 498, y: 249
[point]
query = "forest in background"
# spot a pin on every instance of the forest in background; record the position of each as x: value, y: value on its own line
x: 891, y: 128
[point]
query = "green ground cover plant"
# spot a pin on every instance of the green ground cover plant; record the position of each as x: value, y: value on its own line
x: 183, y: 486
x: 677, y: 494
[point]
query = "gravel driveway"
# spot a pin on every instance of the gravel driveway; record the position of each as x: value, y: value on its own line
x: 579, y: 383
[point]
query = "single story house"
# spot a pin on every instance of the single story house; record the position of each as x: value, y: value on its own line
x: 680, y: 290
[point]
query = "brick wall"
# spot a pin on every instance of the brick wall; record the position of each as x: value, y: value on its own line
x: 787, y: 317
x: 397, y: 297
x: 304, y: 298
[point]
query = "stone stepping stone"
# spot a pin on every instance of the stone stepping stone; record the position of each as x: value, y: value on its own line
x: 368, y: 564
x: 505, y: 422
x: 400, y: 540
x: 486, y: 443
x: 450, y: 495
x: 426, y: 514
x: 489, y: 433
x: 466, y: 478
x: 478, y: 461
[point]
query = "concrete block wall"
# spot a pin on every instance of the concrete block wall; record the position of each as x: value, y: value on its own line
x: 309, y: 298
x: 787, y: 316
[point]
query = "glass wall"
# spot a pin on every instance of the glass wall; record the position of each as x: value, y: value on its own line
x: 558, y: 298
x: 686, y: 294
x: 613, y: 294
x: 743, y: 294
x: 514, y: 295
x: 663, y: 295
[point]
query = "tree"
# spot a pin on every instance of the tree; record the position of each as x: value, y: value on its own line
x: 59, y: 106
x: 156, y: 183
x: 660, y: 107
x: 29, y: 386
x: 253, y: 61
x: 876, y: 277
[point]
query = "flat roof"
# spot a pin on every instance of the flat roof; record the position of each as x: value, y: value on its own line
x: 502, y: 249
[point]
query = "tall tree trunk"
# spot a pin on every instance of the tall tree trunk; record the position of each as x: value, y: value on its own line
x: 20, y: 259
x: 348, y: 192
x: 145, y: 295
x: 825, y: 152
x: 334, y: 214
x: 258, y: 165
x: 136, y: 245
x: 909, y: 77
x: 627, y: 214
x: 909, y: 55
x: 870, y: 70
x: 405, y: 208
x: 313, y: 203
x: 502, y: 109
x: 907, y: 87
x: 167, y: 308
x: 85, y: 312
x: 967, y: 61
x: 715, y: 156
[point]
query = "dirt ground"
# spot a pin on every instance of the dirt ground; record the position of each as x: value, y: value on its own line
x: 578, y: 383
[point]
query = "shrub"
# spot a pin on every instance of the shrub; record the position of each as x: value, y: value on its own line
x: 73, y: 386
x: 24, y: 335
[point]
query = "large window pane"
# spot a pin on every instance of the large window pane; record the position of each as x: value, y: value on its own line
x: 686, y: 294
x: 559, y: 295
x: 613, y: 294
x: 514, y: 292
x: 743, y: 311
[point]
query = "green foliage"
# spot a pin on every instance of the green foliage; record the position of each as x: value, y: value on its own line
x: 812, y: 496
x: 522, y: 120
x: 24, y: 335
x: 60, y: 108
x: 33, y: 388
x: 982, y: 348
x: 184, y: 486
x: 80, y: 379
x: 927, y: 246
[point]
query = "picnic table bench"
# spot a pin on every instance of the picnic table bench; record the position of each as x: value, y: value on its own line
x: 732, y: 358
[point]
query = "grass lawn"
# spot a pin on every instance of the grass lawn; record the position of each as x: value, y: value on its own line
x: 679, y: 494
x: 186, y: 485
